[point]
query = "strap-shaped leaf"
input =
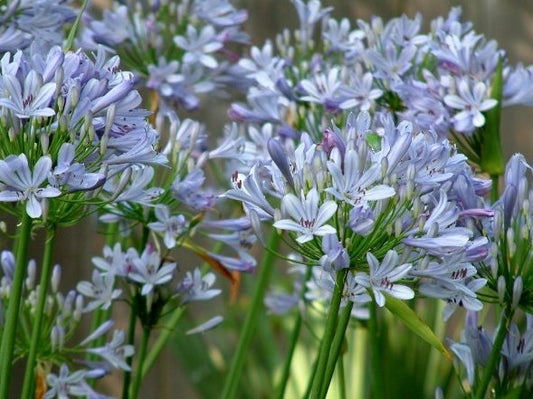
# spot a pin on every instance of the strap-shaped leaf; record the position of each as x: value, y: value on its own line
x: 400, y: 309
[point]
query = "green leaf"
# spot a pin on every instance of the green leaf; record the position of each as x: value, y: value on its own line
x: 416, y: 324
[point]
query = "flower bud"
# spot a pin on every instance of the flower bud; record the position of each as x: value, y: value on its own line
x: 30, y: 275
x: 56, y: 278
x: 501, y: 289
x: 518, y: 287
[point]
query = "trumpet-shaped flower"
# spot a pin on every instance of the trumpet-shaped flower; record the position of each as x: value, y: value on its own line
x: 382, y: 277
x: 171, y: 226
x: 150, y: 271
x: 353, y: 184
x: 308, y: 219
x: 31, y: 100
x: 21, y: 184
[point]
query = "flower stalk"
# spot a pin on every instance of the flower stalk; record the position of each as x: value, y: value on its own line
x: 319, y: 376
x: 265, y: 271
x: 29, y: 375
x: 15, y: 296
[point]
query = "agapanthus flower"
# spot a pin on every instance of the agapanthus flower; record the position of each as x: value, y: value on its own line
x: 21, y: 184
x: 67, y: 384
x: 308, y: 219
x: 115, y: 352
x: 197, y: 287
x: 471, y: 102
x: 171, y: 226
x: 382, y: 277
x: 149, y: 271
x: 101, y: 291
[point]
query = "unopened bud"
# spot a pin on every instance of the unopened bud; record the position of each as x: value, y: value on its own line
x: 110, y: 119
x: 511, y: 245
x: 501, y: 289
x: 56, y: 278
x: 57, y: 338
x: 518, y: 287
x: 30, y: 277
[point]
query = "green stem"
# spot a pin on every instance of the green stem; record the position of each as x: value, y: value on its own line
x: 432, y: 366
x: 237, y: 364
x: 295, y: 334
x: 336, y: 346
x: 162, y: 339
x: 130, y: 341
x: 140, y: 363
x: 494, y: 357
x: 10, y: 327
x: 342, y: 378
x: 74, y: 29
x: 375, y: 360
x: 29, y: 375
x: 358, y: 363
x: 329, y: 334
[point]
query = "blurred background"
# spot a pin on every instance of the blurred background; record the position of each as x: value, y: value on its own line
x: 509, y: 22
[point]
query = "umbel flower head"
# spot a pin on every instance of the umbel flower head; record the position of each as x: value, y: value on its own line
x: 393, y: 208
x: 68, y: 123
x: 178, y: 51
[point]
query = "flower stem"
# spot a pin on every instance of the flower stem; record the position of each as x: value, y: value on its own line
x: 492, y: 363
x: 280, y: 391
x: 29, y: 375
x: 134, y: 392
x: 336, y: 346
x: 130, y: 341
x: 15, y: 296
x: 74, y: 29
x: 265, y: 270
x: 375, y: 359
x: 329, y: 334
x: 342, y: 378
x: 161, y: 340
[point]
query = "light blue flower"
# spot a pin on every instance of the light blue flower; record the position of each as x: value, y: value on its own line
x: 382, y: 277
x: 149, y: 271
x: 307, y: 218
x: 471, y: 100
x: 171, y: 226
x: 20, y: 184
x: 353, y: 183
x: 32, y: 99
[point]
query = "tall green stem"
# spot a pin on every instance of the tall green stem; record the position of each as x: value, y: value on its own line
x: 280, y: 392
x: 74, y: 29
x: 162, y: 339
x: 329, y: 334
x: 375, y: 361
x: 130, y: 340
x: 336, y: 346
x: 342, y: 378
x: 494, y: 357
x: 46, y: 272
x: 134, y: 392
x: 237, y: 364
x: 15, y: 296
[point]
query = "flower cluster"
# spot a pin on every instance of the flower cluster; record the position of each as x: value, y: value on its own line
x: 180, y: 51
x: 23, y: 25
x: 441, y: 80
x: 69, y: 124
x: 63, y: 317
x: 393, y: 212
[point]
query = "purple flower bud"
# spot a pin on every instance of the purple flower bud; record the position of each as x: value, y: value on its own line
x: 277, y: 153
